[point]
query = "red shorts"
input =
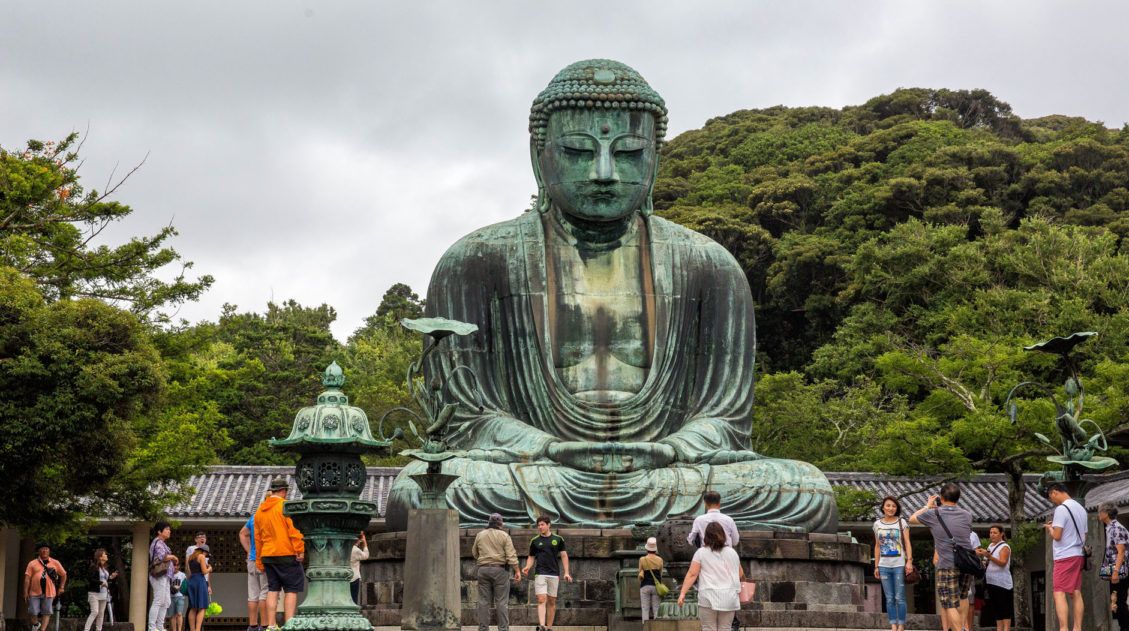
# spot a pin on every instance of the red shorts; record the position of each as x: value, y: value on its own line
x: 1068, y: 574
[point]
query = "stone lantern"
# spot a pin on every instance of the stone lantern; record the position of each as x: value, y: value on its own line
x: 330, y: 437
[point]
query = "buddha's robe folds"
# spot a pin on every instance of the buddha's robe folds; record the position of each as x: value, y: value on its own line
x: 697, y: 396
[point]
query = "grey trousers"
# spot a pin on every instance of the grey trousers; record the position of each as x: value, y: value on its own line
x: 649, y: 602
x: 494, y: 587
x: 713, y: 620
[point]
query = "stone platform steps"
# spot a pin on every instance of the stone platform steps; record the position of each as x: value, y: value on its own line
x: 524, y: 618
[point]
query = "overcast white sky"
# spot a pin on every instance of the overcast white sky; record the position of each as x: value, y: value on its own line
x: 324, y: 150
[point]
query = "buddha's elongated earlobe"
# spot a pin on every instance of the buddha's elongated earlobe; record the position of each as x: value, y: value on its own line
x: 542, y: 204
x: 649, y: 202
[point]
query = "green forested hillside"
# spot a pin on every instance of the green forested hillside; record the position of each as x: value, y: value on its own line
x: 901, y: 253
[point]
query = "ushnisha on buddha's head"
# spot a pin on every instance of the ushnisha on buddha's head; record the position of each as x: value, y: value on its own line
x: 595, y: 131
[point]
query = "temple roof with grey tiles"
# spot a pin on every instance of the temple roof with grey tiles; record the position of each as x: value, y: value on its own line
x: 228, y: 492
x: 985, y: 495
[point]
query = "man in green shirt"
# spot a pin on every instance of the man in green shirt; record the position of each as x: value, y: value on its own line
x: 547, y: 551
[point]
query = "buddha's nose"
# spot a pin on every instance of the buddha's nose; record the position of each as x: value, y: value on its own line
x: 604, y: 169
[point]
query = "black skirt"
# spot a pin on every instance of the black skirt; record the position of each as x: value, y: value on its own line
x: 1000, y: 605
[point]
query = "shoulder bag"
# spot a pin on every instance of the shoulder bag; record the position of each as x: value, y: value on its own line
x: 964, y: 559
x: 660, y: 589
x: 157, y: 567
x: 748, y: 591
x: 912, y: 576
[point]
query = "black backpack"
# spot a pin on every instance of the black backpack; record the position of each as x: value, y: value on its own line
x: 965, y: 560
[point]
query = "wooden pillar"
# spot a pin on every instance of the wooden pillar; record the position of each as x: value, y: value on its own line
x: 139, y: 577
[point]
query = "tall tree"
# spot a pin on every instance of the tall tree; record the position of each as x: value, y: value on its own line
x: 50, y: 225
x: 81, y: 431
x: 252, y: 372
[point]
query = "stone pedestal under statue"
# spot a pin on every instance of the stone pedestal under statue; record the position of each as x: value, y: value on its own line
x: 432, y: 597
x: 804, y: 581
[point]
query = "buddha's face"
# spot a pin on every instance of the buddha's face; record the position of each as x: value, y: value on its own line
x: 598, y: 165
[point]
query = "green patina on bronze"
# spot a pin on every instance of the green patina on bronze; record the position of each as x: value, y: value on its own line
x: 610, y: 381
x: 330, y: 437
x: 1079, y: 453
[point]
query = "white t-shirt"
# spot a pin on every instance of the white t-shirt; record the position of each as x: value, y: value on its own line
x: 710, y: 516
x: 998, y: 575
x: 1070, y: 545
x: 891, y: 542
x: 356, y: 555
x: 719, y: 582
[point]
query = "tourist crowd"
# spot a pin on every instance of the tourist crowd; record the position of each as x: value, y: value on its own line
x: 970, y: 576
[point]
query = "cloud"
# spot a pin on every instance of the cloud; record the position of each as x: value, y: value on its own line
x: 323, y: 151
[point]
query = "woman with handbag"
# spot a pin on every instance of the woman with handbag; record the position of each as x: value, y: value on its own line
x: 1000, y: 606
x: 893, y: 560
x: 1115, y: 568
x: 98, y: 588
x: 719, y: 569
x: 651, y: 588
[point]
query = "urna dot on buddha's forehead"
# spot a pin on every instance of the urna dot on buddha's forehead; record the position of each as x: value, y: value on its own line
x: 596, y: 84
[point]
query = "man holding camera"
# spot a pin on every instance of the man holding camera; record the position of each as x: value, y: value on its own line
x: 44, y: 580
x: 951, y: 526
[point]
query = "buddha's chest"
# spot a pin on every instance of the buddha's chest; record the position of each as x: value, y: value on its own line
x: 600, y: 332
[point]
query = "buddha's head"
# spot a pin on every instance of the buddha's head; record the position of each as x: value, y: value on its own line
x: 595, y: 132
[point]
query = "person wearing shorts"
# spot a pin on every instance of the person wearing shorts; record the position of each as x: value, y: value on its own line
x: 40, y: 586
x: 945, y: 519
x: 256, y: 581
x: 279, y: 549
x: 1067, y: 530
x: 179, y: 605
x: 547, y: 552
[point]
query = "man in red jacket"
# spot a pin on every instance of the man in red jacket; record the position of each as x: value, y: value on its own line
x: 279, y: 552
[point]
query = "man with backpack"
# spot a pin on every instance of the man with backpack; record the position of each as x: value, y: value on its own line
x: 1068, y: 544
x: 957, y: 563
x: 44, y: 580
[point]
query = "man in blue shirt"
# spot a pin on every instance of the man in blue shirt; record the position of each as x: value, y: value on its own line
x: 256, y: 581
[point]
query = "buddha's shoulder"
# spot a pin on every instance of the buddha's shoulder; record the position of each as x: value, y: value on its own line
x: 501, y: 238
x: 690, y: 242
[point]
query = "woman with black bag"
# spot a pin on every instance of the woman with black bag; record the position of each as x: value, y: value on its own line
x: 98, y: 588
x: 1000, y: 607
x: 1114, y: 567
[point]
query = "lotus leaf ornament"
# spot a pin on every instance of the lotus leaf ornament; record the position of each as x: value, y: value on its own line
x: 438, y: 328
x: 1061, y: 345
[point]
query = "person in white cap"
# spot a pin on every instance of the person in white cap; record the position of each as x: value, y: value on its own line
x: 650, y: 573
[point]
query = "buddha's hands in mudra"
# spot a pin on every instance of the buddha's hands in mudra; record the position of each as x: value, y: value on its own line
x: 611, y: 457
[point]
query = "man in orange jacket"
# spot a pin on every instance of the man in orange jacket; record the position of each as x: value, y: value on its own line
x: 279, y: 553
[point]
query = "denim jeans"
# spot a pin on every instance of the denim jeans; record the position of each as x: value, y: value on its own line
x: 894, y: 588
